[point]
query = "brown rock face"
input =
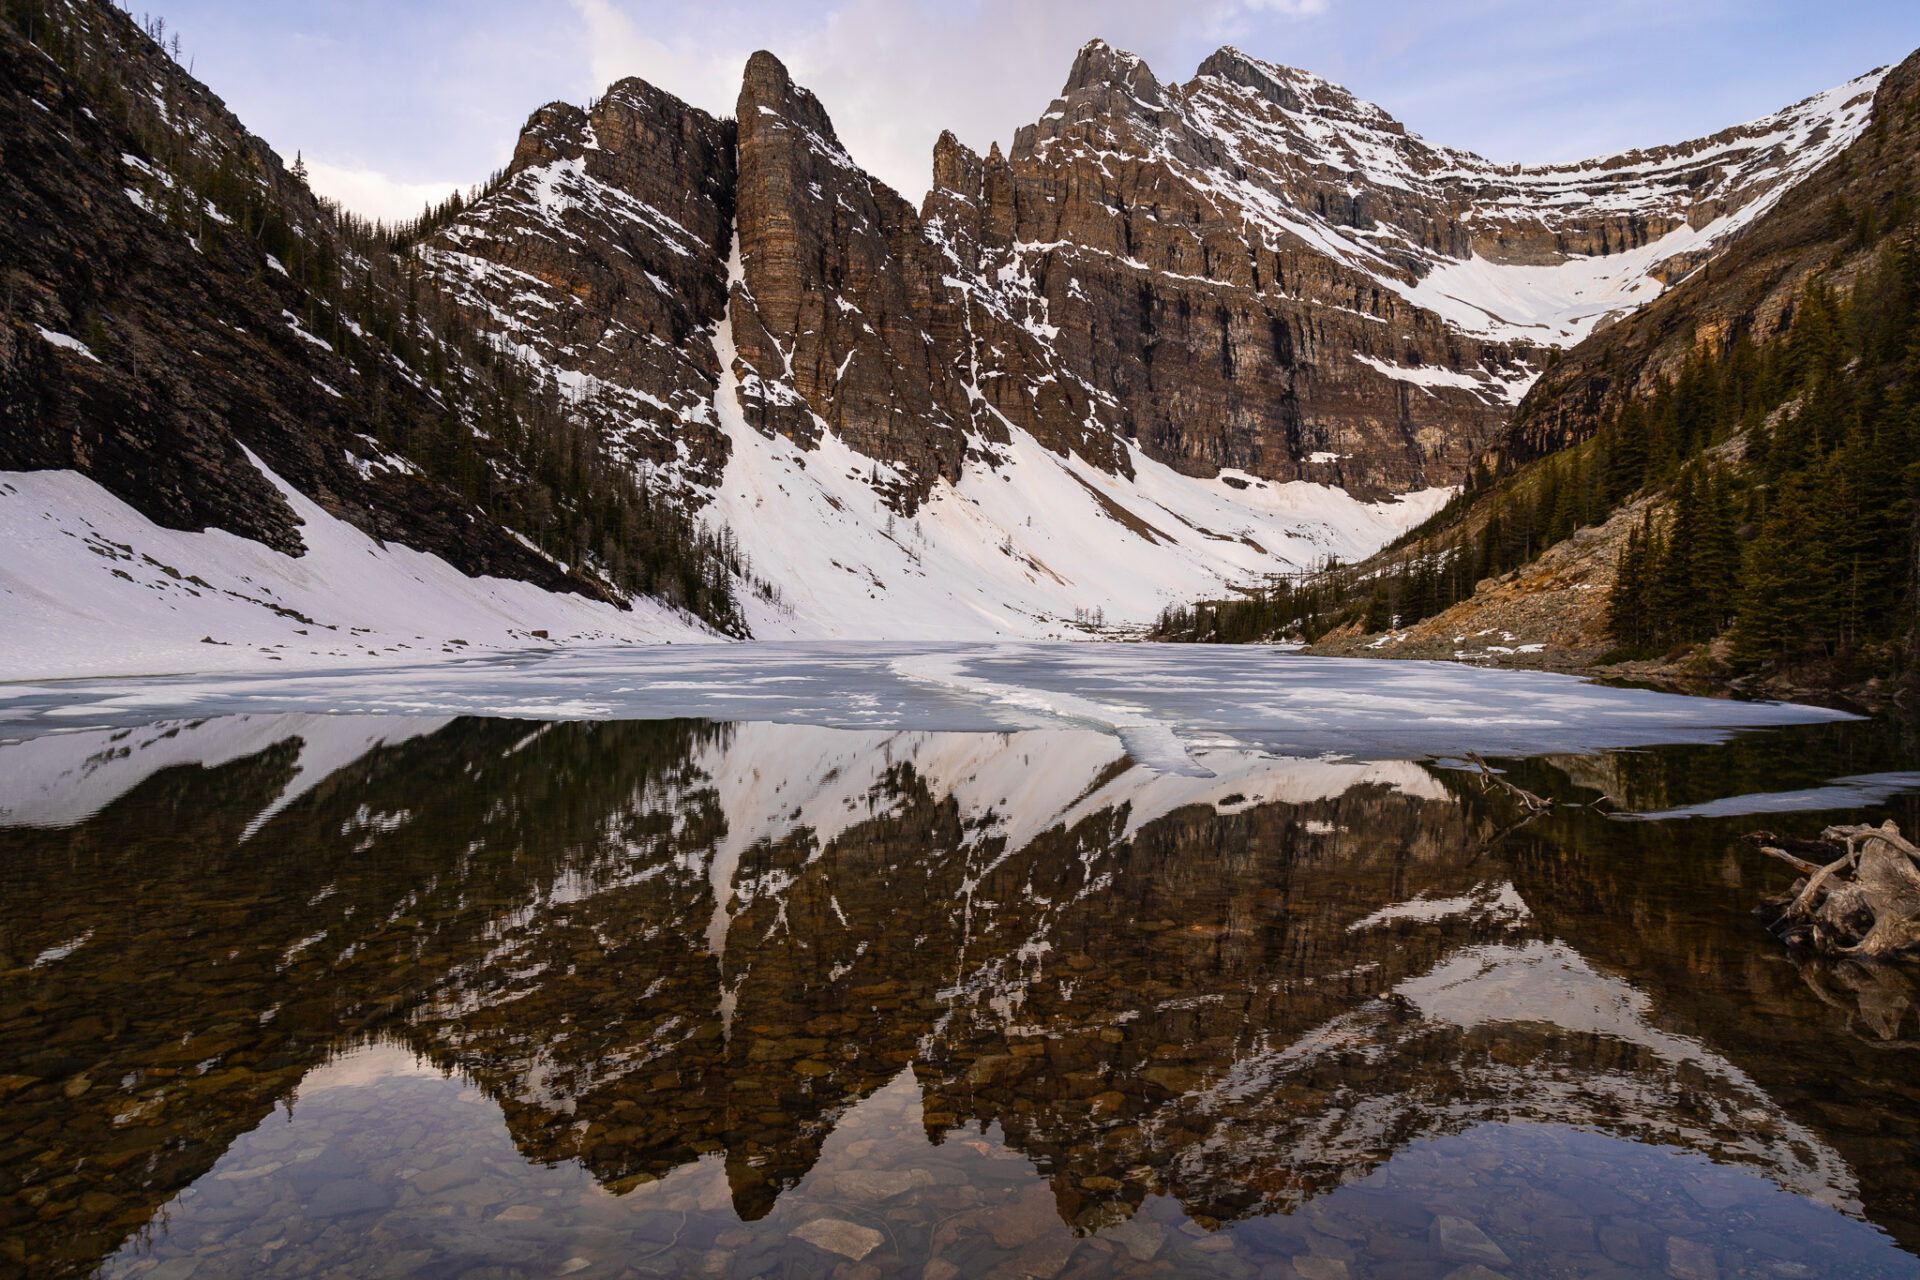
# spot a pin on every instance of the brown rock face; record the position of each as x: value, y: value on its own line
x: 1124, y: 283
x: 840, y: 295
x: 603, y: 254
x: 1235, y: 274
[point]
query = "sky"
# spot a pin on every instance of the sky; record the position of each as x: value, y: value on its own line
x: 396, y: 102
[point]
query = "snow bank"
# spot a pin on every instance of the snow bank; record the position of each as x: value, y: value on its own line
x: 89, y: 586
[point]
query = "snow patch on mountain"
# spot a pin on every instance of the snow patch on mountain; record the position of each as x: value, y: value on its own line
x: 91, y: 587
x: 1029, y: 543
x: 1257, y: 140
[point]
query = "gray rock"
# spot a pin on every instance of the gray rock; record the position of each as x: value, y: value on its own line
x: 871, y: 1186
x: 1690, y: 1260
x: 346, y: 1196
x: 1462, y: 1241
x: 835, y: 1235
x: 1312, y: 1266
x: 1140, y: 1239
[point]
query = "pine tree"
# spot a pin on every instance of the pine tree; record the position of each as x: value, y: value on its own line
x: 1629, y: 608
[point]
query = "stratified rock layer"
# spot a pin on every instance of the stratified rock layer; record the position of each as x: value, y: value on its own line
x: 1254, y: 273
x: 602, y: 254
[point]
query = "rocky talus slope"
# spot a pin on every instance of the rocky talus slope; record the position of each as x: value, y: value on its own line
x: 1549, y: 614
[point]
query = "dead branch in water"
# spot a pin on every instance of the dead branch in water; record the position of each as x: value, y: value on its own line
x: 1874, y: 914
x: 1529, y: 801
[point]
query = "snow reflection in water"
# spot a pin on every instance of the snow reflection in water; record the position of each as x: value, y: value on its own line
x: 493, y: 998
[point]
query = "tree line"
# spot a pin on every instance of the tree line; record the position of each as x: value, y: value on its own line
x: 1800, y: 545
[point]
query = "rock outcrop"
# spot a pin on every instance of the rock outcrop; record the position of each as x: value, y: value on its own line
x: 602, y: 255
x: 1254, y: 273
x: 838, y: 295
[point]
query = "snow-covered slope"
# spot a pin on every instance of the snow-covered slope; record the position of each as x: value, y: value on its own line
x: 1541, y: 254
x: 89, y: 586
x: 1028, y: 543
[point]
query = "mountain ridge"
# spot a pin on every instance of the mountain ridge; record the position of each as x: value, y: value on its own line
x: 1176, y: 339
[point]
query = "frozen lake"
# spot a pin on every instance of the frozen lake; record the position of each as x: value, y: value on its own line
x: 1161, y: 700
x: 934, y: 961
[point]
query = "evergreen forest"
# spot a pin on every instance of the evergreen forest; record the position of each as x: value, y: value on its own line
x: 1778, y: 483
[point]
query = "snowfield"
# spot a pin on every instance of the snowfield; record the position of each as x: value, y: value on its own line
x: 90, y: 587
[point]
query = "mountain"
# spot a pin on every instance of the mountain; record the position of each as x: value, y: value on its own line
x: 1173, y: 339
x: 1093, y: 370
x: 214, y: 349
x: 1720, y: 485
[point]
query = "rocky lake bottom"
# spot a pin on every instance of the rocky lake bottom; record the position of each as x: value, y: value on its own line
x: 460, y: 995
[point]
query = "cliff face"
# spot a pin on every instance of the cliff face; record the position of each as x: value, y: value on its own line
x: 1272, y: 275
x: 1175, y: 286
x: 1750, y: 290
x: 1253, y: 273
x: 839, y: 295
x: 1174, y: 338
x: 602, y: 255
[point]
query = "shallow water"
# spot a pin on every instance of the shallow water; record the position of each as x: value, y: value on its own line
x: 308, y: 995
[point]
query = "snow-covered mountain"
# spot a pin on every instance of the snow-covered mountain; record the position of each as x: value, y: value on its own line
x: 1174, y: 339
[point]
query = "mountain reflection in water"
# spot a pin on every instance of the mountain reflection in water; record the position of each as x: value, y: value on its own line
x: 296, y: 995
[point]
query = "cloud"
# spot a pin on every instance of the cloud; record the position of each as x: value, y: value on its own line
x: 702, y: 66
x: 373, y: 194
x: 894, y: 73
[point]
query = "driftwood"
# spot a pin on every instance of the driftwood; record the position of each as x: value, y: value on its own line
x: 1528, y: 801
x: 1860, y: 896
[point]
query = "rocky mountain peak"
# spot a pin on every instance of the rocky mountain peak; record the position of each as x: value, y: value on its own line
x: 1100, y: 67
x: 1295, y: 90
x: 766, y: 77
x: 551, y: 133
x: 767, y: 92
x: 956, y: 166
x: 1109, y: 97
